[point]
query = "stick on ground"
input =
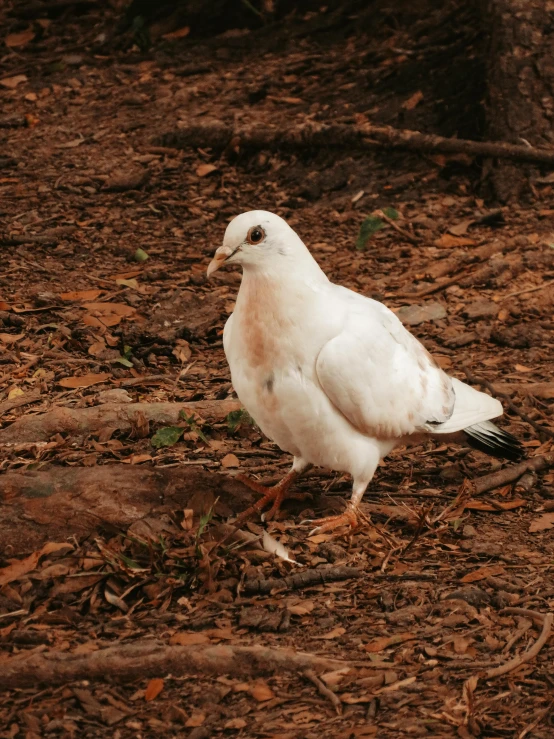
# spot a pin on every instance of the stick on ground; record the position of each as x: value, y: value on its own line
x: 526, y: 656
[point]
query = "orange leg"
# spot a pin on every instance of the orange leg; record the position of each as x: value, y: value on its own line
x: 330, y: 523
x: 277, y: 494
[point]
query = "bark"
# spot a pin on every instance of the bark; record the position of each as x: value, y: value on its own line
x: 56, y: 502
x: 520, y: 101
x: 116, y: 416
x: 511, y: 474
x: 144, y: 659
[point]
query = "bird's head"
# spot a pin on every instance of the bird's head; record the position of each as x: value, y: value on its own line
x: 259, y: 239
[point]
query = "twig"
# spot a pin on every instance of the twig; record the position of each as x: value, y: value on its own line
x: 324, y: 690
x: 526, y: 656
x: 515, y: 611
x: 406, y: 234
x: 219, y: 135
x: 527, y: 290
x: 152, y: 658
x: 510, y: 474
x: 303, y: 579
x: 542, y: 714
x: 524, y: 417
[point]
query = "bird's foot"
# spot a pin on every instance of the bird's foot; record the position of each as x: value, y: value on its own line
x: 330, y: 523
x: 275, y: 494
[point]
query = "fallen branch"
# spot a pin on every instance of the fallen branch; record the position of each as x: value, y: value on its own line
x: 510, y: 474
x: 300, y: 580
x: 48, y: 238
x: 494, y: 392
x: 222, y: 136
x: 526, y: 656
x: 154, y: 659
x: 324, y: 690
x: 116, y: 416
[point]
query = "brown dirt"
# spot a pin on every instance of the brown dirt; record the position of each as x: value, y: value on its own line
x: 85, y: 170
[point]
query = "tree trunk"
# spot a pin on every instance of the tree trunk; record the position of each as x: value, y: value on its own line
x: 520, y: 102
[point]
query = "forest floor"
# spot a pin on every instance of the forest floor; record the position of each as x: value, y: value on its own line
x: 88, y: 177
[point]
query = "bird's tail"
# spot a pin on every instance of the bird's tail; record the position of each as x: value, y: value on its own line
x: 488, y: 438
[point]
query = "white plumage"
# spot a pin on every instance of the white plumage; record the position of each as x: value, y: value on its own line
x: 329, y: 375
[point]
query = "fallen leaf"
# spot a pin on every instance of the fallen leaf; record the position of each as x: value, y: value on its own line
x: 179, y: 33
x: 4, y: 305
x: 166, y: 436
x: 230, y: 460
x: 20, y: 39
x: 275, y: 547
x: 195, y: 719
x: 92, y: 321
x: 333, y: 634
x: 84, y: 380
x: 120, y: 309
x: 204, y: 169
x: 482, y: 573
x: 140, y: 458
x: 460, y: 644
x: 21, y: 567
x: 542, y: 523
x: 261, y: 691
x: 301, y: 609
x: 153, y: 689
x: 115, y: 600
x: 187, y: 638
x: 10, y: 338
x: 508, y: 505
x: 140, y: 255
x: 235, y: 723
x: 334, y: 678
x: 81, y: 295
x: 15, y: 392
x: 13, y: 82
x: 448, y: 241
x: 413, y: 100
x: 459, y: 229
x: 383, y: 642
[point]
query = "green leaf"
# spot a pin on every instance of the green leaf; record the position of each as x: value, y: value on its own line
x: 166, y: 436
x: 371, y: 225
x: 193, y: 426
x: 140, y: 255
x: 124, y: 361
x: 237, y: 418
x: 391, y: 213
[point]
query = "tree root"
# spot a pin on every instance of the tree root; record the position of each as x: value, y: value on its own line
x: 221, y: 136
x: 526, y: 656
x: 150, y: 658
x: 116, y: 416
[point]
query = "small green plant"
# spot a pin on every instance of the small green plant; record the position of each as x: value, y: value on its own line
x: 167, y: 436
x: 371, y: 225
x: 191, y: 421
x: 236, y: 419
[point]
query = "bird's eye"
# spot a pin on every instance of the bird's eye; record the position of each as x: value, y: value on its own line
x: 255, y: 235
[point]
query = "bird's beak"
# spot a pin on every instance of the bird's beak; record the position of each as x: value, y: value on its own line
x: 221, y: 255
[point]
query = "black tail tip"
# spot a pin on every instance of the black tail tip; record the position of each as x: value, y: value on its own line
x: 488, y: 438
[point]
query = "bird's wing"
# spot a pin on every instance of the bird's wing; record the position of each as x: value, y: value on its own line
x: 379, y: 376
x: 384, y: 381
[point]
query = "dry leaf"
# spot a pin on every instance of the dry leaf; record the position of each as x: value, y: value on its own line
x: 140, y: 458
x: 301, y: 609
x: 187, y: 638
x: 13, y: 82
x: 10, y: 338
x: 334, y: 678
x: 204, y: 169
x: 81, y: 295
x: 196, y: 719
x: 154, y: 688
x: 15, y: 392
x: 84, y: 380
x: 383, y: 642
x: 482, y: 573
x: 334, y: 634
x: 120, y: 309
x: 542, y: 523
x: 235, y: 723
x: 508, y: 505
x: 179, y: 33
x: 446, y: 240
x: 4, y: 305
x: 21, y: 567
x: 230, y: 460
x: 20, y: 39
x: 93, y: 321
x: 413, y: 100
x: 261, y: 691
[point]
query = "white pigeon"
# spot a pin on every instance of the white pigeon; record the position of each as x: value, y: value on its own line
x: 330, y: 376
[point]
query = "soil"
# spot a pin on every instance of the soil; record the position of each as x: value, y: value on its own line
x: 88, y: 190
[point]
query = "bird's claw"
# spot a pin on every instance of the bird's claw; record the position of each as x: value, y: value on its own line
x: 330, y: 523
